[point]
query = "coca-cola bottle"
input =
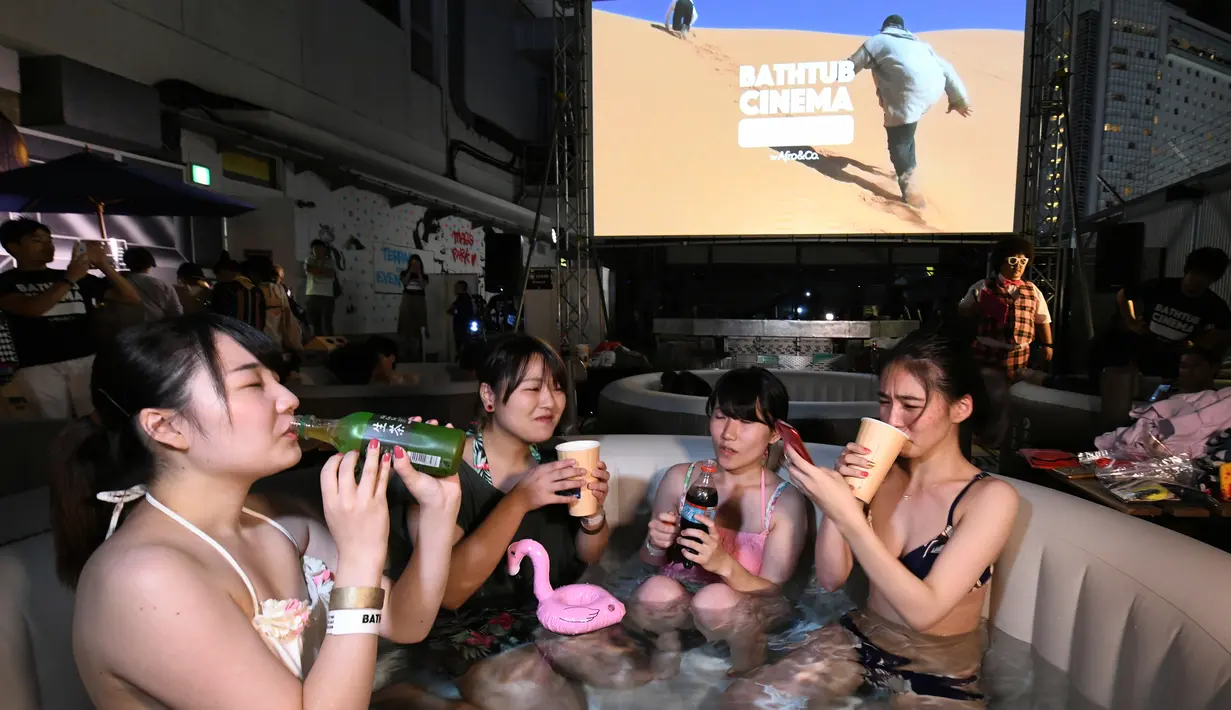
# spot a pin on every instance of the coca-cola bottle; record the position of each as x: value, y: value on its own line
x: 701, y: 500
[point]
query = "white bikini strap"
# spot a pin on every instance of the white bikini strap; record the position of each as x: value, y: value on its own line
x: 274, y: 523
x: 256, y: 605
x: 119, y: 499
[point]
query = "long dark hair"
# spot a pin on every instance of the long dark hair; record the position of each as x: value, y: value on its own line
x: 506, y: 364
x: 148, y: 366
x: 945, y: 366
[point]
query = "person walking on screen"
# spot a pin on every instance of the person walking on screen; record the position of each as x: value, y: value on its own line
x: 910, y: 76
x: 681, y: 16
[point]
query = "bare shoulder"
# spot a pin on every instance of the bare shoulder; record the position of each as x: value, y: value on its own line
x: 672, y: 483
x: 791, y: 500
x: 137, y: 568
x: 792, y: 506
x: 993, y: 496
x: 123, y: 582
x: 674, y: 477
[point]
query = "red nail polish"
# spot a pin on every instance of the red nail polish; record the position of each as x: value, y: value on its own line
x: 384, y: 459
x: 374, y: 444
x: 863, y: 474
x: 399, y: 452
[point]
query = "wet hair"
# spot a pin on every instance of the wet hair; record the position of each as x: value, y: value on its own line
x: 15, y: 229
x: 685, y: 382
x: 227, y: 264
x: 352, y: 364
x: 146, y: 366
x: 260, y: 269
x: 1011, y: 246
x: 506, y: 365
x: 383, y: 345
x: 138, y: 259
x: 1207, y: 261
x: 893, y: 21
x: 945, y: 366
x: 190, y: 270
x: 750, y: 394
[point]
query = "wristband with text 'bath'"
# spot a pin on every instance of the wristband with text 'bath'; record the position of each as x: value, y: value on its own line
x: 342, y: 622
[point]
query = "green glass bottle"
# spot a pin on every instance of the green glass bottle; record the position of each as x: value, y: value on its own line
x: 433, y: 450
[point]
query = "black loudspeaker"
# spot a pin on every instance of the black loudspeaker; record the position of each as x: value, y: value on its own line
x: 503, y: 270
x: 1118, y: 256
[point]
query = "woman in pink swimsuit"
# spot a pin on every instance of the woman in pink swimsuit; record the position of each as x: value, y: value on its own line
x: 197, y: 600
x: 732, y: 590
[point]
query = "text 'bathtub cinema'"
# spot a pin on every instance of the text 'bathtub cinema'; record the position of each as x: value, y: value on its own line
x: 788, y: 90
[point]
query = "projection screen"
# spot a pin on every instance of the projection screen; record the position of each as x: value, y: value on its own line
x: 806, y: 117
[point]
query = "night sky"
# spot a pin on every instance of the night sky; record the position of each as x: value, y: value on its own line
x: 1211, y: 12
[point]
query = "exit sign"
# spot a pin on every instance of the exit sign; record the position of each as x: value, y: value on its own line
x: 200, y: 174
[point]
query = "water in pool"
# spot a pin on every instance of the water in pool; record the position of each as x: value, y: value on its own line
x: 1013, y: 676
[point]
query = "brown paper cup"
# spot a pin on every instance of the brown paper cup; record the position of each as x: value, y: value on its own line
x: 585, y: 453
x: 885, y: 442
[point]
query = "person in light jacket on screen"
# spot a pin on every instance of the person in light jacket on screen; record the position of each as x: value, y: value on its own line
x: 910, y: 76
x: 681, y: 16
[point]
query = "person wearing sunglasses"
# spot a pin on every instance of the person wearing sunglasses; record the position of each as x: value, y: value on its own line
x: 1010, y: 312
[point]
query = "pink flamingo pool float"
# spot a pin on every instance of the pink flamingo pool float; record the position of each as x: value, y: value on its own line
x: 572, y: 610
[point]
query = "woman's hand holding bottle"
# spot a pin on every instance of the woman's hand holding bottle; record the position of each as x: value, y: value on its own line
x: 357, y: 514
x: 436, y: 496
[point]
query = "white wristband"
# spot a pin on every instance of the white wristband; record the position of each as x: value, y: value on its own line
x: 353, y: 621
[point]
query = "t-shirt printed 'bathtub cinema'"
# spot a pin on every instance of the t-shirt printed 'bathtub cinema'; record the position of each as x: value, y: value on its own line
x: 796, y: 104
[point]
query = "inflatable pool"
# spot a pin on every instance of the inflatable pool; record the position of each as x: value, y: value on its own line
x: 825, y: 406
x: 1090, y: 607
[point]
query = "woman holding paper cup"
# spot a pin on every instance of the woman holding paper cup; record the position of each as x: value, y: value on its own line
x: 515, y: 485
x: 927, y: 542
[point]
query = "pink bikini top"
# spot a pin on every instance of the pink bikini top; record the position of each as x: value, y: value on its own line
x: 748, y: 548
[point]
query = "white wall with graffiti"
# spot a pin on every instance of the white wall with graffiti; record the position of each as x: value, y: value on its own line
x: 375, y: 242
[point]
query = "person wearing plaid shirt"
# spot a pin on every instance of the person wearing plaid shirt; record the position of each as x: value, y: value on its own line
x: 1010, y: 312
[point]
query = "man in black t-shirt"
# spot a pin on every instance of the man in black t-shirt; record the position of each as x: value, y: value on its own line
x: 48, y: 312
x: 1169, y: 315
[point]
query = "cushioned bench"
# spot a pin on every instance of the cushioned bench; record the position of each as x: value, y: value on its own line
x: 1134, y: 613
x: 825, y: 406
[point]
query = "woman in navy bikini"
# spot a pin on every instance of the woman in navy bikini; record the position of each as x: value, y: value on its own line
x: 927, y: 543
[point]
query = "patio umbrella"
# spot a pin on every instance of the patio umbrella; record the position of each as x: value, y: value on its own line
x: 89, y: 183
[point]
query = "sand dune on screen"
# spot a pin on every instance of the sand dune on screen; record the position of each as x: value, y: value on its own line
x: 667, y: 161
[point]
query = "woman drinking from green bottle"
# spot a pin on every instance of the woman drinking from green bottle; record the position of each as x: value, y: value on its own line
x: 198, y: 599
x: 511, y: 490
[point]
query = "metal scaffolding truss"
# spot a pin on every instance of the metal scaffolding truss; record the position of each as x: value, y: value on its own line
x: 571, y: 170
x: 1049, y: 209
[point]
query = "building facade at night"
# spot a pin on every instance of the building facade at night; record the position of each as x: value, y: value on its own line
x: 1152, y: 98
